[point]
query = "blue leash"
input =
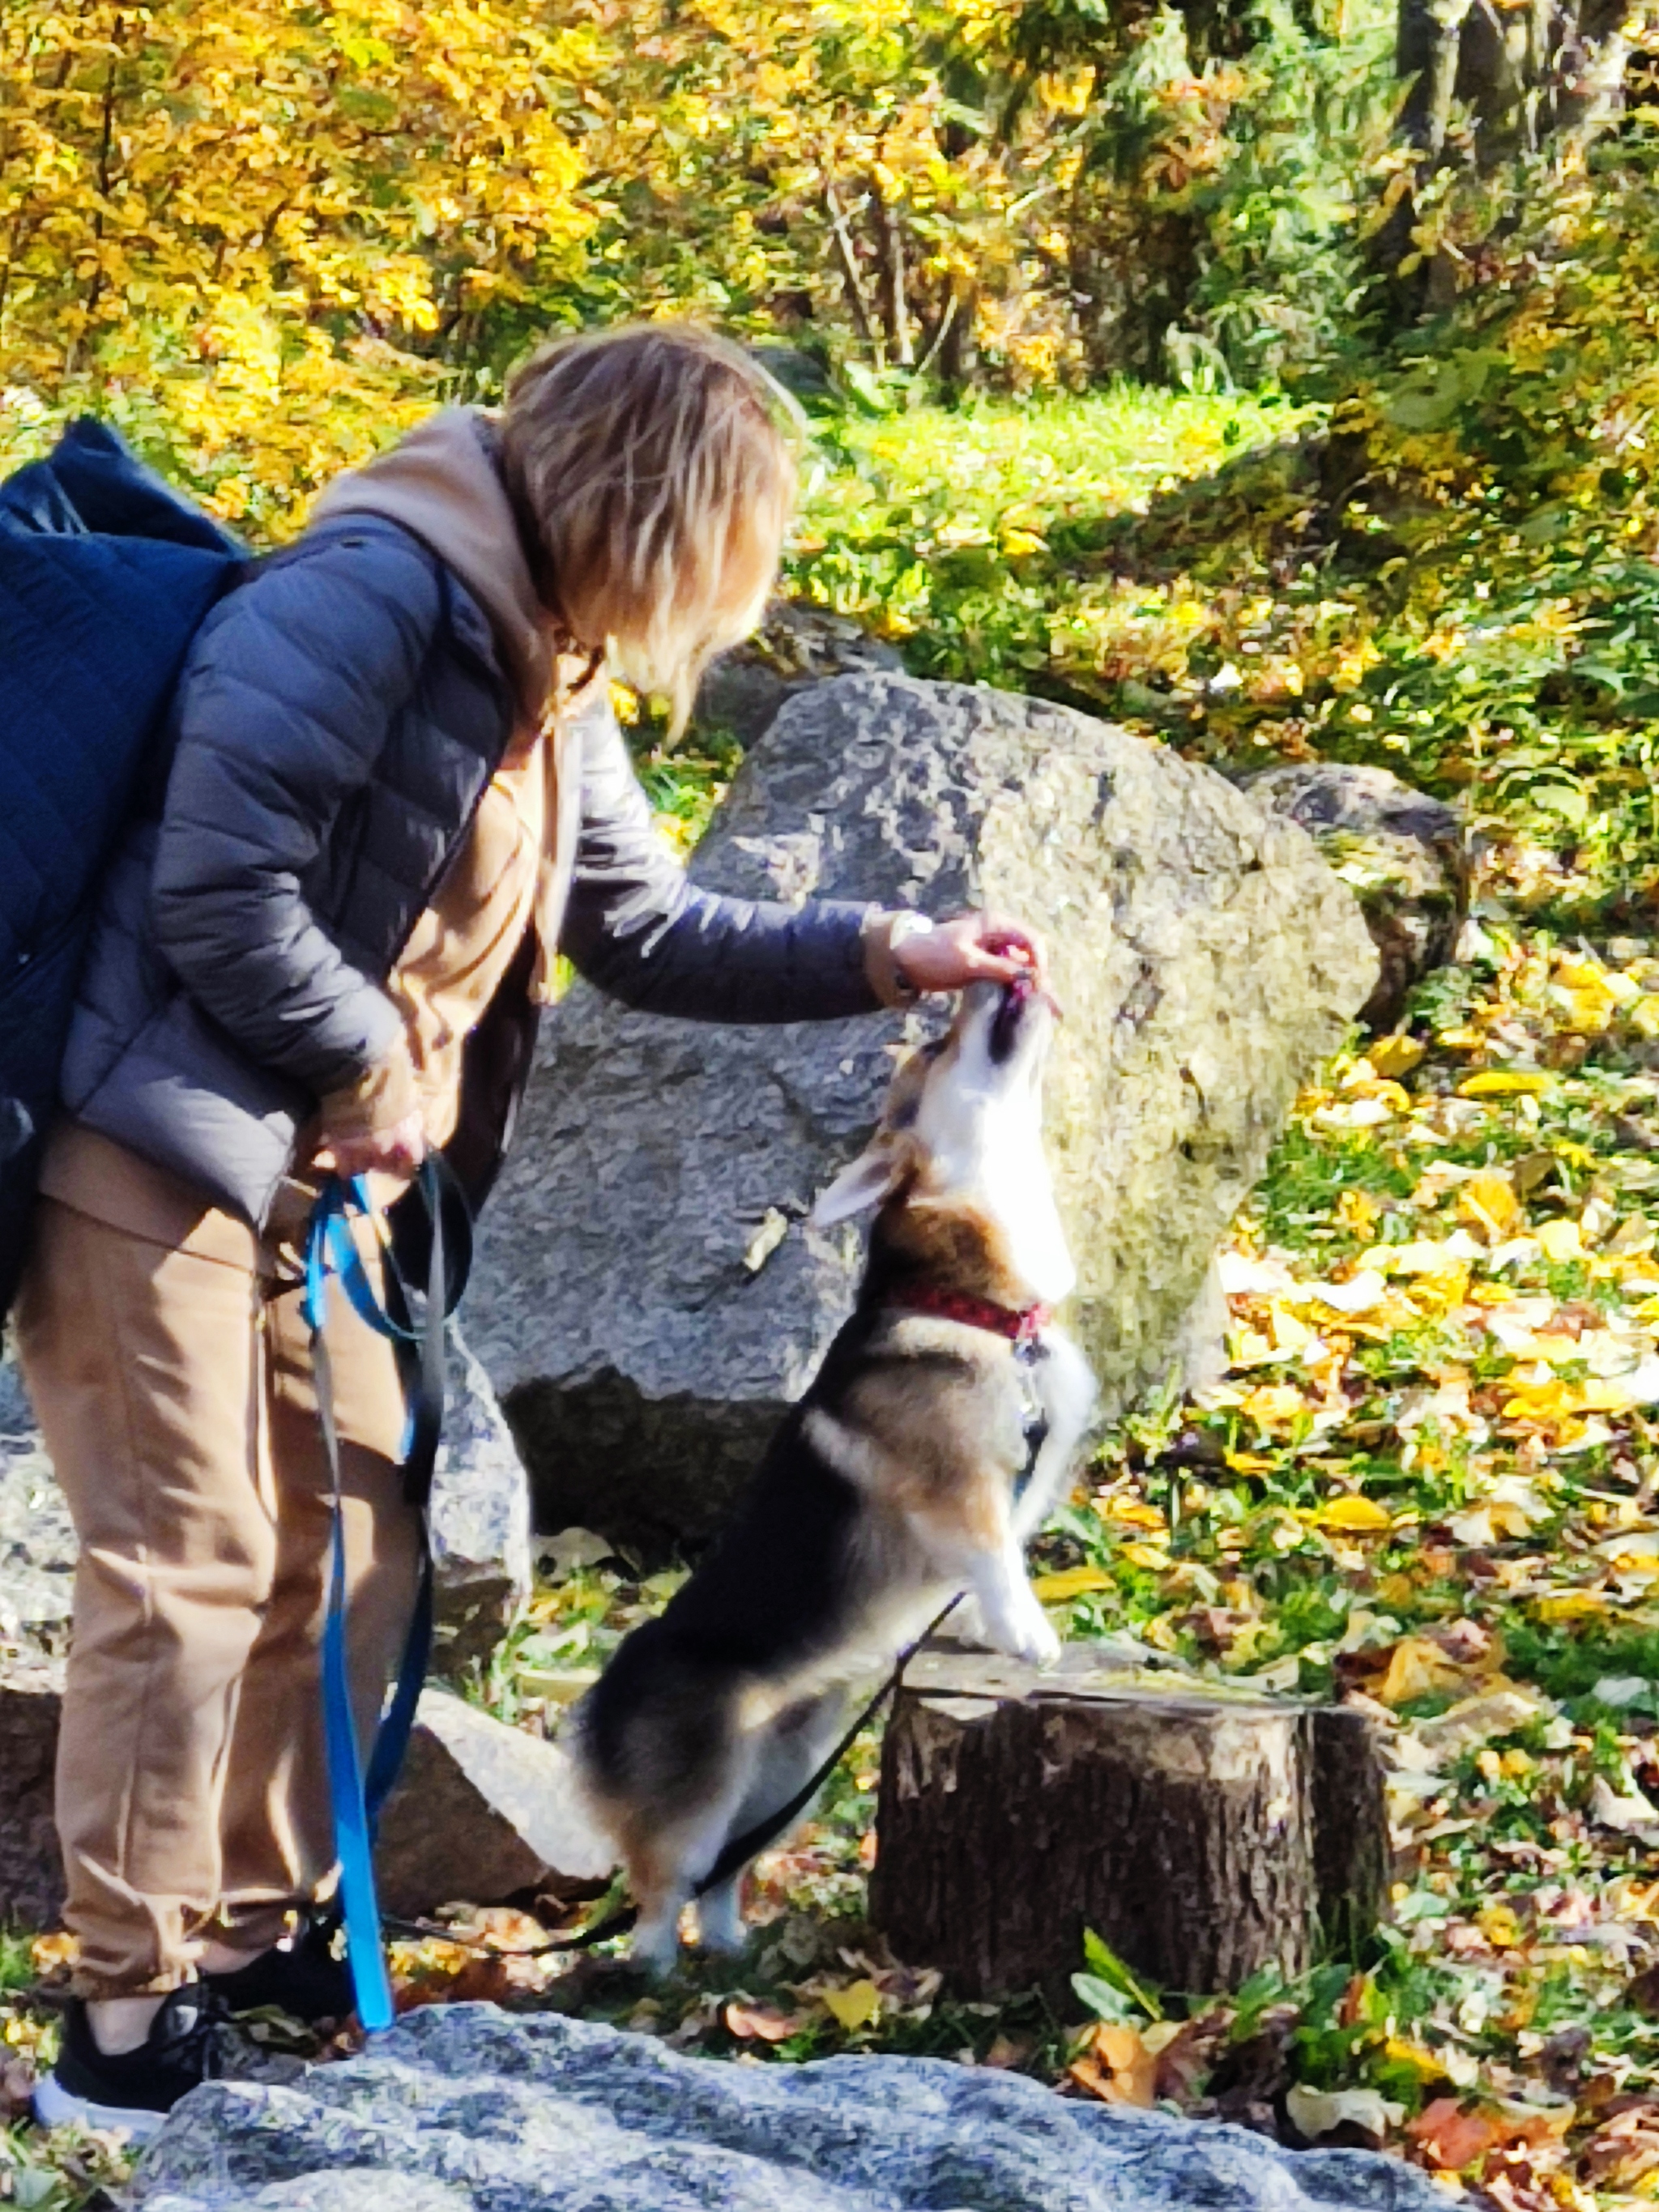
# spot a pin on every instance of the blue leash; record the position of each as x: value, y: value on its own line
x: 330, y: 1250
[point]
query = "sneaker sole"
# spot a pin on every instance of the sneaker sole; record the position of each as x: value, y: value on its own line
x: 55, y: 2107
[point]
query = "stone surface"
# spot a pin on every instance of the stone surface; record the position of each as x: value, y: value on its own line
x: 480, y: 1811
x: 31, y: 1866
x: 37, y: 1578
x: 796, y: 648
x: 646, y: 1296
x: 480, y: 1519
x: 38, y: 1549
x: 461, y: 2107
x: 1403, y: 854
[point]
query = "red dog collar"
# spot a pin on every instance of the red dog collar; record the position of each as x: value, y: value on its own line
x: 1019, y: 1324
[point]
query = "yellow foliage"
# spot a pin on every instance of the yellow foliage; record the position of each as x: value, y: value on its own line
x: 1395, y: 1056
x: 1069, y: 1582
x: 1417, y: 1669
x: 239, y: 225
x: 859, y: 2005
x: 1505, y: 1082
x: 1357, y: 1516
x: 1488, y: 1201
x: 1571, y: 1605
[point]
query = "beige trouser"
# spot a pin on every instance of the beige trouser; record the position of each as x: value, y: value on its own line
x: 175, y: 1392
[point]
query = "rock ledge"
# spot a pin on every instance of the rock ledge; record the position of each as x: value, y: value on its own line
x: 464, y: 2106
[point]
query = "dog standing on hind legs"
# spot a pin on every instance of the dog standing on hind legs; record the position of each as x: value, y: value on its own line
x: 905, y: 1475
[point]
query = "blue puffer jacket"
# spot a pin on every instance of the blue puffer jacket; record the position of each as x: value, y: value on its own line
x: 336, y: 724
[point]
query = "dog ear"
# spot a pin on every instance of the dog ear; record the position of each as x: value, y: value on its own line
x: 862, y: 1184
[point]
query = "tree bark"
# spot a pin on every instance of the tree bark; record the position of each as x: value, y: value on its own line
x: 896, y: 306
x: 1202, y: 1837
x: 1530, y: 75
x: 852, y: 281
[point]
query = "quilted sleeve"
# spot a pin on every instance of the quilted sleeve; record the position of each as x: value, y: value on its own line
x: 641, y: 930
x: 283, y: 709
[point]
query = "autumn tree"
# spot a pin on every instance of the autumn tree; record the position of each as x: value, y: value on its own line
x: 265, y: 234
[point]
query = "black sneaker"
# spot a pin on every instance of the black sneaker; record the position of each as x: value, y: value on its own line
x: 302, y: 1977
x: 133, y: 2090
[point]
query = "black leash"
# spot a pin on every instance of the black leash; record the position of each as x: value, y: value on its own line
x: 741, y: 1849
x: 737, y: 1853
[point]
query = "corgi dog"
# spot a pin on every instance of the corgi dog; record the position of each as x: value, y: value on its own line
x: 930, y: 1447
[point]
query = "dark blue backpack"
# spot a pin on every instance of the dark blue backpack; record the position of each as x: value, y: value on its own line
x: 104, y: 575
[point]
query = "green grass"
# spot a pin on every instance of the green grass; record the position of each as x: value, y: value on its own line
x: 958, y: 532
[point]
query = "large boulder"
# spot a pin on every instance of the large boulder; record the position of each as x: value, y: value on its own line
x: 648, y: 1296
x: 462, y: 2107
x: 38, y: 1549
x: 36, y: 1581
x: 479, y: 1520
x: 480, y: 1812
x: 1404, y: 855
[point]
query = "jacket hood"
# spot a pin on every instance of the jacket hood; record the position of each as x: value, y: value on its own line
x: 441, y: 483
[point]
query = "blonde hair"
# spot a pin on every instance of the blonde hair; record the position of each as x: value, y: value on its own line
x: 654, y: 466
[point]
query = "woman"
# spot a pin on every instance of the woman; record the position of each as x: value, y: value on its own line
x: 394, y: 793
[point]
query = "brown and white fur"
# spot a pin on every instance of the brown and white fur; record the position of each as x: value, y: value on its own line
x: 900, y: 1479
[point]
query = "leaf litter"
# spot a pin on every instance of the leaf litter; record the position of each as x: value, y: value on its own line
x: 1427, y: 1484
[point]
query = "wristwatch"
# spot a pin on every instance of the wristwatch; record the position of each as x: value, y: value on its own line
x: 905, y: 925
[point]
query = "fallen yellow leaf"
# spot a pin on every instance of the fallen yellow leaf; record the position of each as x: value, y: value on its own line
x: 1135, y: 1513
x: 1360, y: 1515
x: 1488, y: 1199
x: 1560, y: 1240
x: 859, y: 2005
x: 1070, y: 1582
x: 1505, y: 1082
x: 1570, y: 1605
x: 57, y: 1949
x: 1120, y: 2071
x: 1396, y: 1055
x: 1498, y: 1924
x: 1290, y: 1333
x: 1275, y: 1405
x: 1417, y: 1669
x: 1148, y: 1556
x: 1418, y: 2056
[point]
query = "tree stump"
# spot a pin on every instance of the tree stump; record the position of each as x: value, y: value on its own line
x: 1203, y: 1836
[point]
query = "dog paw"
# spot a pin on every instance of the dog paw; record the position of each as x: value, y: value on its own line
x: 655, y: 1950
x: 721, y: 1929
x: 1035, y: 1642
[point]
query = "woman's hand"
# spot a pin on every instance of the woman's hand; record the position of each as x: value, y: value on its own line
x: 973, y: 948
x: 398, y: 1150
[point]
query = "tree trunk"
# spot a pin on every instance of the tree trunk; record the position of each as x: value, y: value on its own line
x: 896, y: 306
x: 1541, y: 73
x: 1202, y: 1837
